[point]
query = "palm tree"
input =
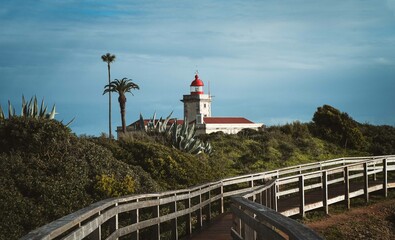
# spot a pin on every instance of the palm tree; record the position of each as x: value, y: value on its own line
x: 109, y: 58
x: 121, y: 87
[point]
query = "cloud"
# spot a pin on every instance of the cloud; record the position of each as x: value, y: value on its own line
x: 391, y: 5
x: 260, y: 52
x: 384, y: 61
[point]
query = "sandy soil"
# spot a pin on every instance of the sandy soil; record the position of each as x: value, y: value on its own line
x: 376, y: 221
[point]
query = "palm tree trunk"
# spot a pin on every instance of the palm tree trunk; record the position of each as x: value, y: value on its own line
x: 122, y: 105
x: 109, y: 103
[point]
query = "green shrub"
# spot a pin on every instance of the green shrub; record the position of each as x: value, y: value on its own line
x: 47, y: 172
x: 112, y: 187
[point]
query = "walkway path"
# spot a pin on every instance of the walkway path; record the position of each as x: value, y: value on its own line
x: 219, y: 229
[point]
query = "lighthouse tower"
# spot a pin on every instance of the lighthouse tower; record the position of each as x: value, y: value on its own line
x: 197, y: 105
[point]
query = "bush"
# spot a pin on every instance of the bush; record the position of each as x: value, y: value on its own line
x: 47, y: 172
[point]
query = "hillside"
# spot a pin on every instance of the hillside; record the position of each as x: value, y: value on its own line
x: 47, y: 171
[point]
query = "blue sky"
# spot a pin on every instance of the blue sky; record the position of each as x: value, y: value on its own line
x: 271, y: 61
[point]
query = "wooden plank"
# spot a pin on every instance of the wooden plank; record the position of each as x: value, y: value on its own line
x: 325, y: 192
x: 301, y: 196
x: 385, y: 178
x: 366, y: 181
x: 347, y: 188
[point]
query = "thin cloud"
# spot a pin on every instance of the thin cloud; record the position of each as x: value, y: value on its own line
x: 250, y: 51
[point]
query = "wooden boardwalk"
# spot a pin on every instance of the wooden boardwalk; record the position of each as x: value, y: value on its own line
x: 291, y: 190
x: 219, y: 229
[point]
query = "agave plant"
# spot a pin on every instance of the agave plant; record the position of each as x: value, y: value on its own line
x: 180, y: 136
x: 31, y: 110
x: 183, y: 137
x: 154, y: 125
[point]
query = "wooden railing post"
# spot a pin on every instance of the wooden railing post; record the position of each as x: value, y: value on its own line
x: 366, y: 181
x: 208, y: 215
x: 249, y: 233
x: 258, y: 198
x: 135, y: 219
x: 114, y: 222
x: 346, y: 187
x: 263, y: 198
x: 95, y: 235
x: 237, y: 221
x: 274, y: 197
x: 156, y: 214
x: 189, y: 220
x: 385, y: 178
x: 324, y: 178
x: 200, y: 213
x: 301, y: 196
x: 175, y: 221
x: 269, y: 198
x: 222, y: 197
x: 321, y: 170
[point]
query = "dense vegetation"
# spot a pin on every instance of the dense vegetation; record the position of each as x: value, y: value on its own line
x: 47, y: 171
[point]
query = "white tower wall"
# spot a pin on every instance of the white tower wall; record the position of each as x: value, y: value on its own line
x: 196, y: 105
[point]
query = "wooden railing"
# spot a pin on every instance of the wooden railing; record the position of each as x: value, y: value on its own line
x: 258, y: 217
x: 175, y: 214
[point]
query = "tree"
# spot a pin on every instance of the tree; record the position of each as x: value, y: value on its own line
x: 121, y: 87
x: 338, y: 127
x: 109, y: 58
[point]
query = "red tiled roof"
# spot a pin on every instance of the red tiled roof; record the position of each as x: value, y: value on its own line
x: 226, y: 120
x: 146, y: 121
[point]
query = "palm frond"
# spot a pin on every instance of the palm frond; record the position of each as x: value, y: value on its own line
x: 108, y: 58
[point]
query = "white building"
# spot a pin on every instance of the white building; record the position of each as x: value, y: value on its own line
x: 197, y: 109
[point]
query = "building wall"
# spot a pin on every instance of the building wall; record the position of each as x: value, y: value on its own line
x: 194, y: 105
x: 226, y: 128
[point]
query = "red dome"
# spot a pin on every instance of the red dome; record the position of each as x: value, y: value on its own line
x: 197, y: 82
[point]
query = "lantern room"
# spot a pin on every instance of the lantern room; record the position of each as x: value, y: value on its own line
x: 197, y: 86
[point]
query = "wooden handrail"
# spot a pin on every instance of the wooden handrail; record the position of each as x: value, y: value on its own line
x: 88, y: 221
x: 253, y: 219
x: 265, y: 223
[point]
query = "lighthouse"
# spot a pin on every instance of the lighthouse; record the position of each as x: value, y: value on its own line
x: 197, y: 109
x: 197, y: 105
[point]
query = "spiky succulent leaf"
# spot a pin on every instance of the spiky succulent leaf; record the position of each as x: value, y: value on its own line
x: 52, y: 114
x: 24, y: 107
x: 10, y: 110
x: 68, y: 124
x: 1, y: 113
x: 30, y: 107
x: 35, y: 108
x: 141, y: 123
x: 43, y: 109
